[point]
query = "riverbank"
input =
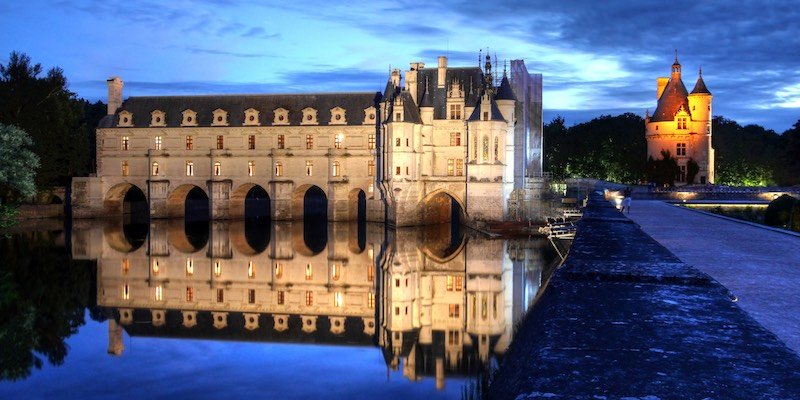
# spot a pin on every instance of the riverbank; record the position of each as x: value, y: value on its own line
x: 624, y: 317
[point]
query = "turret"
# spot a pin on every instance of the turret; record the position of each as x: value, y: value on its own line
x: 700, y: 100
x: 114, y: 94
x: 505, y: 99
x: 676, y: 69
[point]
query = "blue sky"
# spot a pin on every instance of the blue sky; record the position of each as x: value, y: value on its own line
x: 596, y: 57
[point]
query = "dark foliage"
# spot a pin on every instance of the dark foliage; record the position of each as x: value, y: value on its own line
x: 663, y: 171
x: 779, y: 211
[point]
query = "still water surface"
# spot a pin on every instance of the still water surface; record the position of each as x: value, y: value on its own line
x: 104, y: 309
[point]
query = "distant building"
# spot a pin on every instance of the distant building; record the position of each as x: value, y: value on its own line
x: 447, y: 143
x: 681, y: 125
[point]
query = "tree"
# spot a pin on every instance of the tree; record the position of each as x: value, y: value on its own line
x: 18, y: 163
x: 692, y: 169
x: 662, y: 171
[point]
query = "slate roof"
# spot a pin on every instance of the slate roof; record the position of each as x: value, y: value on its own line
x: 700, y: 86
x: 496, y: 114
x: 671, y: 100
x: 470, y: 78
x: 504, y: 92
x: 141, y: 107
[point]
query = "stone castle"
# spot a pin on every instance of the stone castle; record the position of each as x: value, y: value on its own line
x: 442, y: 143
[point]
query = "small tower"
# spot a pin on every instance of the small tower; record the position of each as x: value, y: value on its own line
x: 700, y: 100
x: 115, y: 85
x: 676, y: 69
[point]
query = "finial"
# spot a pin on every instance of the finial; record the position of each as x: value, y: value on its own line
x: 676, y: 56
x: 480, y: 57
x: 701, y: 72
x: 505, y: 66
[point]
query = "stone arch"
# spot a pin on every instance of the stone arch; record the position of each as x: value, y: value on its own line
x: 357, y: 205
x: 250, y: 200
x: 309, y: 199
x: 124, y: 198
x: 249, y: 237
x: 177, y: 202
x: 305, y: 243
x: 441, y: 206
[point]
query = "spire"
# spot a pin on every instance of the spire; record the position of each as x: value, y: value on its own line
x: 427, y: 99
x: 700, y: 86
x: 676, y: 67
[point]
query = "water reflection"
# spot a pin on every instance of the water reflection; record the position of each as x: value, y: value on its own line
x: 437, y: 301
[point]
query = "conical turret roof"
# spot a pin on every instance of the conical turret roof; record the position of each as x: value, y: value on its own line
x: 700, y: 86
x: 504, y: 92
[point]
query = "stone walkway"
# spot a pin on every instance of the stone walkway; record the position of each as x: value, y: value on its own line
x: 759, y: 266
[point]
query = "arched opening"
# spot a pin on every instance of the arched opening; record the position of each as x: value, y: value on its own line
x: 250, y: 201
x: 190, y: 202
x: 127, y: 200
x: 357, y: 205
x: 309, y: 202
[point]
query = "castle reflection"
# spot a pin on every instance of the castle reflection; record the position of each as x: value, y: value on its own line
x: 436, y: 301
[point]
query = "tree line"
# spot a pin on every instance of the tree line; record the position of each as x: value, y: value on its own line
x: 613, y: 148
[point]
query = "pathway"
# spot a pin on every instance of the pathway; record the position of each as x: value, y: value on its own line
x: 759, y: 266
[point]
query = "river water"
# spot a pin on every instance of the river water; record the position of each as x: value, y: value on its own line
x: 105, y: 309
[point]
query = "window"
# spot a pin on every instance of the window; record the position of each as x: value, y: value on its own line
x: 496, y: 148
x: 397, y: 311
x: 217, y: 269
x: 406, y: 142
x: 455, y: 310
x: 682, y: 123
x: 189, y: 293
x: 681, y: 149
x: 459, y: 283
x: 455, y: 138
x: 370, y: 273
x: 278, y: 270
x: 251, y: 296
x: 453, y: 338
x: 485, y: 115
x: 681, y: 174
x: 406, y: 170
x: 189, y: 267
x: 338, y: 141
x: 126, y: 266
x: 397, y: 142
x: 397, y: 170
x: 189, y: 168
x: 451, y: 166
x: 309, y: 298
x: 371, y: 300
x: 455, y: 111
x: 484, y: 307
x: 220, y: 142
x: 126, y: 292
x: 281, y: 141
x: 309, y: 168
x: 371, y: 141
x: 278, y: 168
x: 475, y: 148
x: 450, y: 282
x: 220, y: 295
x: 281, y: 297
x: 158, y: 142
x: 398, y: 117
x: 189, y: 143
x: 217, y: 168
x: 251, y: 270
x: 155, y: 169
x: 459, y: 167
x: 251, y: 142
x: 335, y: 169
x: 485, y: 149
x: 125, y: 169
x: 370, y: 168
x: 336, y: 272
x: 159, y: 293
x: 338, y: 299
x: 125, y: 143
x: 309, y: 142
x: 309, y: 272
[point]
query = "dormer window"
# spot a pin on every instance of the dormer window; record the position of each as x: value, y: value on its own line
x: 369, y: 115
x: 219, y: 117
x: 189, y: 118
x: 125, y: 119
x: 681, y: 122
x: 251, y: 117
x: 337, y: 116
x: 281, y: 117
x: 158, y: 118
x: 309, y: 116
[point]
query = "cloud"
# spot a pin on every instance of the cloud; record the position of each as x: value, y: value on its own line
x: 197, y: 50
x: 258, y: 32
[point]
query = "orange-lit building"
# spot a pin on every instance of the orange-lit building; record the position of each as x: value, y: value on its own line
x: 681, y: 125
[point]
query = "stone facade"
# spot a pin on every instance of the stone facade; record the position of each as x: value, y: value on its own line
x: 681, y: 125
x: 444, y: 134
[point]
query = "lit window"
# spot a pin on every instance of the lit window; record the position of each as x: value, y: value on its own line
x: 681, y: 149
x: 158, y: 142
x: 484, y: 307
x: 251, y: 168
x: 496, y: 148
x: 217, y: 168
x: 220, y: 142
x: 309, y: 168
x: 455, y: 111
x: 281, y: 141
x: 189, y: 168
x: 309, y: 298
x: 309, y: 272
x: 125, y: 169
x: 485, y: 148
x: 450, y: 283
x: 251, y: 142
x: 217, y: 269
x: 155, y: 169
x: 370, y: 273
x: 126, y: 292
x: 189, y: 293
x: 338, y: 141
x: 278, y: 270
x: 371, y: 300
x: 159, y: 293
x: 475, y: 148
x: 251, y: 296
x: 278, y: 168
x: 125, y: 143
x: 336, y: 272
x: 335, y: 169
x: 251, y: 270
x: 189, y: 143
x: 309, y: 141
x: 451, y: 166
x: 459, y: 283
x: 455, y: 138
x: 281, y: 297
x: 338, y: 299
x: 126, y: 266
x: 371, y: 168
x: 189, y: 267
x: 455, y: 310
x: 370, y: 188
x: 156, y: 267
x: 371, y: 141
x: 494, y: 307
x: 220, y: 295
x: 459, y: 167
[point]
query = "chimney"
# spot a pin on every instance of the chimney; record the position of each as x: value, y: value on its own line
x: 396, y: 77
x: 662, y: 83
x: 114, y: 94
x: 412, y: 79
x: 442, y: 71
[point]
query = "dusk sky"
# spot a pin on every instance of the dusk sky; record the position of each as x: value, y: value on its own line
x: 596, y: 57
